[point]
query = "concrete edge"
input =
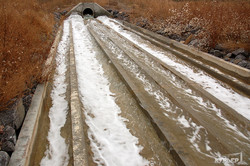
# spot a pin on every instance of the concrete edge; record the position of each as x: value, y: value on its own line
x: 178, y: 155
x: 74, y: 8
x: 51, y: 57
x: 24, y: 146
x: 102, y: 11
x: 80, y: 154
x: 233, y: 114
x: 25, y: 142
x: 217, y: 62
x: 240, y: 84
x: 238, y: 118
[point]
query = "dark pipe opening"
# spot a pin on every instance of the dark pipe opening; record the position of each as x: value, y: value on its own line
x: 88, y: 11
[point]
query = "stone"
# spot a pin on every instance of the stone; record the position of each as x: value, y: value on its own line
x: 27, y: 101
x: 7, y: 117
x: 57, y: 15
x: 160, y: 32
x: 19, y: 114
x: 240, y: 56
x: 115, y: 12
x: 219, y: 47
x: 236, y: 61
x: 9, y: 134
x: 218, y: 53
x: 64, y: 12
x: 8, y: 147
x: 248, y: 65
x: 4, y: 158
x: 229, y: 55
x: 14, y: 115
x: 175, y: 37
x: 227, y: 59
x: 243, y: 63
x: 142, y: 22
x: 211, y: 51
x: 193, y: 43
x: 192, y: 29
x: 122, y: 16
x: 240, y: 51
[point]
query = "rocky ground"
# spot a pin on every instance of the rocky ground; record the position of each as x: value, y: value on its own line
x: 11, y: 121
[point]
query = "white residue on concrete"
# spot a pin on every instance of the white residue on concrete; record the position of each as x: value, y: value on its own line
x: 57, y: 152
x: 170, y: 110
x: 183, y: 121
x: 222, y: 92
x: 111, y: 141
x: 187, y: 124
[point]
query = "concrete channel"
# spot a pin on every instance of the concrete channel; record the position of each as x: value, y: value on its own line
x: 173, y: 118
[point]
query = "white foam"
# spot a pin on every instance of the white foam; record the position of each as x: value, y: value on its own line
x: 162, y: 100
x: 111, y: 141
x: 226, y: 94
x: 183, y: 121
x: 195, y: 136
x: 57, y: 152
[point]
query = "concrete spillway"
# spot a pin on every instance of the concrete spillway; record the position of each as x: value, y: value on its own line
x: 122, y: 95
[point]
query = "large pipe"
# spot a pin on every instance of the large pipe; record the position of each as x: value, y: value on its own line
x: 88, y: 11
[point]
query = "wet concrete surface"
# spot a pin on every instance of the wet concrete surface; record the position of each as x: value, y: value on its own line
x: 138, y: 123
x: 217, y: 130
x: 188, y: 98
x: 41, y: 141
x: 153, y: 100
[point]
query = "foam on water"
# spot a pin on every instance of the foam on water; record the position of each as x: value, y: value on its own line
x: 57, y: 151
x: 226, y: 94
x: 195, y: 136
x: 111, y: 142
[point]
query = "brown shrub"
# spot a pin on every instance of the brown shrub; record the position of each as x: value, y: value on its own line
x: 25, y: 43
x: 226, y: 21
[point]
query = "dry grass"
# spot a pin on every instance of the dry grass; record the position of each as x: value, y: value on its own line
x: 25, y: 42
x: 226, y: 22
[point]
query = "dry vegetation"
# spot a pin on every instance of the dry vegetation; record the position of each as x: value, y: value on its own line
x: 25, y: 41
x: 223, y: 21
x: 26, y: 26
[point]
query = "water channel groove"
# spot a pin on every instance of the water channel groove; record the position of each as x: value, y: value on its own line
x: 130, y: 102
